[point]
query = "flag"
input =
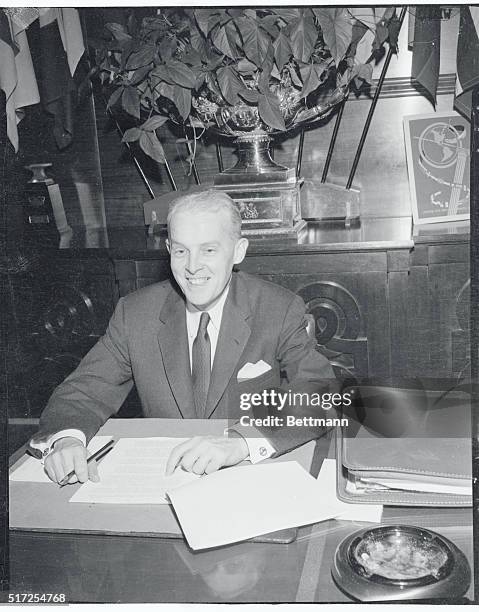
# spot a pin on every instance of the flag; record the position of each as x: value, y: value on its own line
x: 426, y: 49
x: 58, y: 48
x: 467, y: 61
x: 17, y: 77
x: 411, y: 24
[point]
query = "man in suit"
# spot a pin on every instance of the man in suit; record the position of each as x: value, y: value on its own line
x: 192, y: 348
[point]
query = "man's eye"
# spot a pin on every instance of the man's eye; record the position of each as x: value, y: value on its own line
x: 179, y: 252
x: 210, y: 250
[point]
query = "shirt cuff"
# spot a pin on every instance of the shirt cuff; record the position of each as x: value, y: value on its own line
x: 44, y: 447
x: 258, y: 448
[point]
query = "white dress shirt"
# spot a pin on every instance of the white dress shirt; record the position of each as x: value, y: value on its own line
x: 259, y: 448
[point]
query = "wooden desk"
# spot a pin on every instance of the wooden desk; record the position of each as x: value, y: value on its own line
x: 108, y: 568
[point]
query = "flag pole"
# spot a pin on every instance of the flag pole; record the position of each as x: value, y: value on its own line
x: 334, y: 136
x: 372, y: 108
x: 474, y: 212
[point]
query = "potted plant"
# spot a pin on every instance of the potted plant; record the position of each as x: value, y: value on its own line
x: 248, y: 73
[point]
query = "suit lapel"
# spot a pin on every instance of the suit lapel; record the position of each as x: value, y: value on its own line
x: 173, y: 341
x: 233, y: 336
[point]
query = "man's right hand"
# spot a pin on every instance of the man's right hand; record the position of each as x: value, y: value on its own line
x: 69, y: 454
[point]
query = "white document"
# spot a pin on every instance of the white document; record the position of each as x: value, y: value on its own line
x: 32, y: 469
x: 242, y: 502
x: 369, y: 513
x: 134, y: 473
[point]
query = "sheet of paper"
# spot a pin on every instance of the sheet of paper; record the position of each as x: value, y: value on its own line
x: 326, y: 481
x: 32, y: 470
x: 242, y: 502
x: 134, y: 473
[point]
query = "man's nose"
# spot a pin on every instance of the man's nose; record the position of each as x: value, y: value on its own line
x: 194, y: 263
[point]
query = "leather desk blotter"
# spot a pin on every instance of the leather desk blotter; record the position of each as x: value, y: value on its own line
x: 429, y: 463
x: 38, y: 507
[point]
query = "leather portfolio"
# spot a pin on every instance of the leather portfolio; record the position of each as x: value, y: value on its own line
x: 406, y: 447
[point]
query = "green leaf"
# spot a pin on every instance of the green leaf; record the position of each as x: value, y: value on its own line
x: 312, y: 76
x: 389, y: 13
x: 207, y: 19
x: 268, y: 24
x: 223, y: 39
x: 139, y: 75
x: 166, y: 90
x: 250, y: 95
x: 361, y: 73
x: 153, y: 123
x: 381, y: 35
x: 336, y: 25
x: 192, y: 58
x: 152, y: 146
x: 167, y: 47
x: 268, y: 109
x: 115, y: 96
x: 118, y: 31
x: 181, y: 74
x: 244, y: 66
x: 233, y: 12
x: 255, y: 41
x: 303, y: 38
x: 200, y: 79
x: 182, y: 100
x: 202, y: 16
x: 163, y: 73
x: 366, y: 15
x: 198, y: 41
x: 295, y: 78
x: 275, y: 73
x: 288, y: 14
x: 230, y: 84
x: 130, y: 101
x: 211, y: 82
x: 282, y: 50
x: 394, y: 28
x: 141, y: 58
x: 131, y: 135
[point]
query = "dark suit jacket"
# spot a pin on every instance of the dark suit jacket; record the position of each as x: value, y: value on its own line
x: 146, y: 345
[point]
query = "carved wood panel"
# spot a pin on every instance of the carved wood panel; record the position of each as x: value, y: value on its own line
x: 352, y: 318
x: 57, y: 313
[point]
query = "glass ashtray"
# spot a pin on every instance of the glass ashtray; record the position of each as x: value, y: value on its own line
x: 399, y: 562
x: 400, y: 554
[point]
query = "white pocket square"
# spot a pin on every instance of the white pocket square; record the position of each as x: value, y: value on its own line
x: 253, y: 370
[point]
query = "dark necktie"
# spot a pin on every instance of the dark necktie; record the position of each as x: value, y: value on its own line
x: 201, y: 365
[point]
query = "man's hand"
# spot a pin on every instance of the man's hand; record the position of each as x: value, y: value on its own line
x: 206, y: 454
x: 69, y: 454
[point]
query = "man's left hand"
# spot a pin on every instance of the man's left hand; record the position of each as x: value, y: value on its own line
x: 206, y: 454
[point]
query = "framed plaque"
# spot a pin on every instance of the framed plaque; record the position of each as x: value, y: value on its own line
x: 438, y: 158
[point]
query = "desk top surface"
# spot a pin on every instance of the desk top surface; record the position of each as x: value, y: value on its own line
x: 109, y: 568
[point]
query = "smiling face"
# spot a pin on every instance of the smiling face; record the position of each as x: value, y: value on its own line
x: 203, y: 253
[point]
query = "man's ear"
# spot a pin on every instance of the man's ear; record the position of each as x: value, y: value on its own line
x: 167, y: 242
x: 240, y: 250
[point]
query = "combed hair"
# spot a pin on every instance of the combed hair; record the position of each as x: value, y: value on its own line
x: 211, y: 201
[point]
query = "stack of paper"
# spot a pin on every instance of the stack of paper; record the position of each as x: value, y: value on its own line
x: 246, y: 501
x: 134, y: 473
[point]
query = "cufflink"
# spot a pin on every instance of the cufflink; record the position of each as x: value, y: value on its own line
x: 38, y: 454
x: 262, y: 451
x: 45, y: 454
